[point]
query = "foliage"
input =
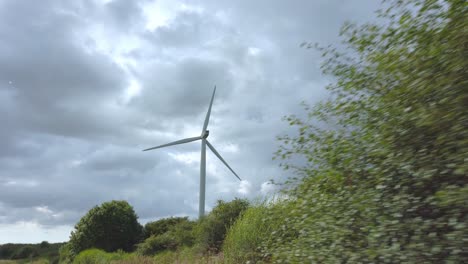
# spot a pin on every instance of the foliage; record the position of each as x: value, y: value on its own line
x: 111, y: 226
x: 186, y: 255
x: 177, y: 235
x: 386, y: 173
x: 183, y: 255
x: 243, y: 242
x: 65, y: 254
x: 211, y: 230
x: 161, y: 226
x: 25, y: 252
x: 155, y: 244
x: 43, y: 250
x: 97, y: 256
x: 44, y: 244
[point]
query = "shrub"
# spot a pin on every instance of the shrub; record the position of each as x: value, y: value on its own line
x: 25, y: 252
x: 161, y: 226
x: 155, y: 244
x: 211, y: 230
x: 65, y: 254
x: 178, y: 235
x: 7, y: 250
x: 385, y: 179
x: 243, y: 242
x: 110, y: 227
x: 97, y: 256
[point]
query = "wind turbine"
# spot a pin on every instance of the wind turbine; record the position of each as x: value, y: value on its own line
x: 204, y: 143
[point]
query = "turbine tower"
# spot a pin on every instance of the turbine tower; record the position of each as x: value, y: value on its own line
x: 204, y: 143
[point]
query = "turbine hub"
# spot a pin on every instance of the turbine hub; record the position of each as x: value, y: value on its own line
x: 205, y: 135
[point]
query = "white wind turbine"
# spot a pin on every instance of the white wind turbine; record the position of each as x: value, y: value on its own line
x: 203, y: 136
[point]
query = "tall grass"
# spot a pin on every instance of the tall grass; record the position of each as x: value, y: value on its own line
x: 186, y: 256
x: 97, y: 256
x: 244, y: 239
x: 183, y: 256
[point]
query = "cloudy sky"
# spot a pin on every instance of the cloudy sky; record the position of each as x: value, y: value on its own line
x: 86, y: 85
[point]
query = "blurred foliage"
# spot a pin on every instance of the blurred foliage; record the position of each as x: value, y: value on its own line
x: 211, y: 229
x: 65, y: 254
x: 385, y: 178
x: 25, y: 252
x: 111, y: 226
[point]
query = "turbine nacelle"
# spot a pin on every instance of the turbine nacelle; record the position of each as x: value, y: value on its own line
x: 205, y: 134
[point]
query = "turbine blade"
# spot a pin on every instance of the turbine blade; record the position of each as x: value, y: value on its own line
x: 182, y: 141
x: 221, y: 158
x: 207, y: 118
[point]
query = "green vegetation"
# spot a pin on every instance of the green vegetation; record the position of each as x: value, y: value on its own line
x: 111, y: 226
x: 43, y: 251
x: 388, y: 183
x: 211, y: 230
x: 96, y: 256
x: 167, y: 239
x: 244, y: 239
x: 385, y: 178
x: 161, y: 226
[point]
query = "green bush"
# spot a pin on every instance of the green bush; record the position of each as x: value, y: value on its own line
x: 243, y: 242
x: 155, y: 244
x: 25, y: 252
x: 65, y: 254
x: 110, y: 227
x: 161, y: 226
x: 211, y: 230
x: 183, y: 233
x: 7, y: 250
x: 38, y: 251
x: 97, y: 256
x: 386, y: 174
x: 178, y: 235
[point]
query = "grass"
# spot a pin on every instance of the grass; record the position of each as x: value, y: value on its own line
x: 244, y: 239
x: 183, y: 256
x: 24, y: 261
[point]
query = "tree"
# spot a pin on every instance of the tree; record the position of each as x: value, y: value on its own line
x: 110, y: 227
x: 386, y: 174
x: 44, y: 244
x: 25, y: 252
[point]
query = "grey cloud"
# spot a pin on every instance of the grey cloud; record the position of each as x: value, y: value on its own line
x: 182, y: 88
x: 124, y: 13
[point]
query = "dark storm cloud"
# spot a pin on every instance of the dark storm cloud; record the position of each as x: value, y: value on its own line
x: 72, y: 132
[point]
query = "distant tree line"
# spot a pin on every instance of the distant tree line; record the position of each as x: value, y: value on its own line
x: 44, y: 249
